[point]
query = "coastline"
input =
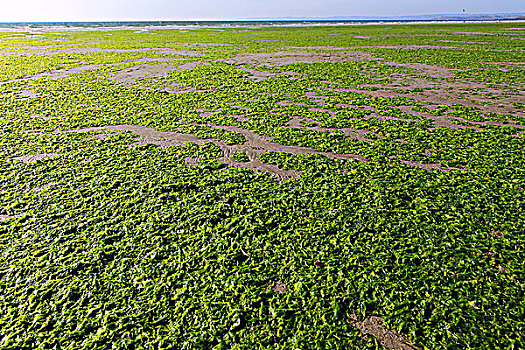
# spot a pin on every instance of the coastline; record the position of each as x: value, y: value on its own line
x: 193, y: 25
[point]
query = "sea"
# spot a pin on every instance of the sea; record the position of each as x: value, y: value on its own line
x: 148, y: 25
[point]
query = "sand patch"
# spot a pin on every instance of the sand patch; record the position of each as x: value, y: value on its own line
x: 257, y: 144
x: 374, y: 326
x: 200, y: 44
x: 280, y: 58
x: 192, y: 162
x: 147, y: 135
x: 32, y: 51
x: 129, y: 75
x: 290, y: 103
x: 34, y: 157
x: 429, y: 166
x: 357, y: 134
x: 9, y: 217
x: 65, y: 72
x: 191, y: 65
x: 254, y: 146
x: 463, y: 42
x: 182, y: 90
x: 444, y: 96
x: 257, y: 74
x: 39, y: 116
x: 279, y: 287
x: 41, y: 188
x: 28, y: 94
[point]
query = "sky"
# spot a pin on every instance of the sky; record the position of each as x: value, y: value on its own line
x: 127, y: 10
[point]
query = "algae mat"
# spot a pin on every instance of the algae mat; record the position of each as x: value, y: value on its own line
x: 292, y: 188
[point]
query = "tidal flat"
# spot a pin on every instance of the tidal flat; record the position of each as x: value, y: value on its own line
x: 325, y: 187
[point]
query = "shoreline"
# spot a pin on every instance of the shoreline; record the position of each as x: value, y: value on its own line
x: 193, y: 25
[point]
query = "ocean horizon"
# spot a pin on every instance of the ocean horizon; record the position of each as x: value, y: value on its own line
x: 187, y: 24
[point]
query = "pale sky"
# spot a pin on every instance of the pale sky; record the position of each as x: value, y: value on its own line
x: 99, y: 10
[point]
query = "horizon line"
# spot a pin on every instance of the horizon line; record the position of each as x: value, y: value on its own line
x: 287, y: 19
